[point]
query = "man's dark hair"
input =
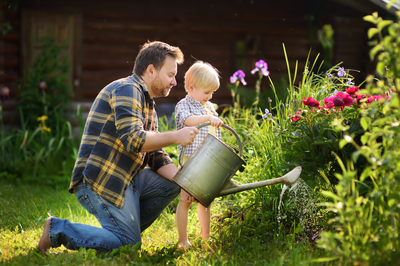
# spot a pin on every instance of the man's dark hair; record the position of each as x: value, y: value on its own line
x: 154, y: 53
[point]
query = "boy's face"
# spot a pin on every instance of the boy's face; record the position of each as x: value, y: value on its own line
x: 200, y: 94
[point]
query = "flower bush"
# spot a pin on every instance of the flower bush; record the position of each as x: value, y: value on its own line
x: 316, y: 128
x: 346, y: 138
x: 367, y: 226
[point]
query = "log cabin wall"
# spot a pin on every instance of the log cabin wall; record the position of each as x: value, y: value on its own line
x: 230, y: 35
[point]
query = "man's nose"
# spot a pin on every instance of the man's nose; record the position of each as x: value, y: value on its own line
x: 174, y: 83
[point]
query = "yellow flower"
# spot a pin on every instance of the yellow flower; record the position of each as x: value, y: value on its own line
x: 44, y: 128
x: 42, y: 118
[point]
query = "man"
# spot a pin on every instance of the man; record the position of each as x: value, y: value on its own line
x: 120, y: 138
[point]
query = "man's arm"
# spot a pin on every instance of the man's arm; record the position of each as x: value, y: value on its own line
x: 169, y: 171
x: 155, y: 141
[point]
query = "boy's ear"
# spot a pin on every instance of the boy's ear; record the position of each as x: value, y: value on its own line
x: 191, y: 87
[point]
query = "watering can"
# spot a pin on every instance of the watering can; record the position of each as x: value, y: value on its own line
x: 207, y: 173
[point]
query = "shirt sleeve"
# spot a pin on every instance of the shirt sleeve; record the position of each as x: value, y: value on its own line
x: 158, y: 158
x: 127, y: 108
x: 182, y: 111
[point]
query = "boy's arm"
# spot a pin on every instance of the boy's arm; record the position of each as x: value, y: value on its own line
x: 195, y: 120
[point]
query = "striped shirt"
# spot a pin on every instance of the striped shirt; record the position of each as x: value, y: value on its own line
x: 185, y: 108
x: 115, y: 131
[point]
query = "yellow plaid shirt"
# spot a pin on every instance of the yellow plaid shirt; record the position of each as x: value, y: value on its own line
x: 115, y: 131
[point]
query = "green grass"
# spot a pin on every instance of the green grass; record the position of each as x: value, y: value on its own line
x: 23, y: 209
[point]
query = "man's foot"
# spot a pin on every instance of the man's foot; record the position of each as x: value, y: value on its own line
x: 44, y: 243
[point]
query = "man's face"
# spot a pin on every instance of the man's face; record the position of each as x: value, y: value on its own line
x: 165, y: 79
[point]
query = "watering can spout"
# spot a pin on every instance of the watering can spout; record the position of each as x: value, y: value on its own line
x: 288, y: 179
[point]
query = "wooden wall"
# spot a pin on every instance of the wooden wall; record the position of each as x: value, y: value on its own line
x: 110, y: 33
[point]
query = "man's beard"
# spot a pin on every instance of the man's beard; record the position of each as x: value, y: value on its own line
x: 159, y: 90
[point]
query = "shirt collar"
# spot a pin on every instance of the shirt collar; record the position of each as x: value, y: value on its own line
x: 141, y: 82
x: 193, y: 101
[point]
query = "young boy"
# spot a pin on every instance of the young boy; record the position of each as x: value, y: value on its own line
x: 201, y: 81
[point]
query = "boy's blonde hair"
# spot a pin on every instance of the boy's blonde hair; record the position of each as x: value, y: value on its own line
x: 202, y: 75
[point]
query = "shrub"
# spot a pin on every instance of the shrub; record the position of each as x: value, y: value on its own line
x: 367, y: 226
x: 45, y: 91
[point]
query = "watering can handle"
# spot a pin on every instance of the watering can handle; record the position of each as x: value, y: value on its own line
x: 207, y: 124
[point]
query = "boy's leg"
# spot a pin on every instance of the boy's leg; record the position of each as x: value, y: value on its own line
x: 204, y: 219
x: 182, y: 213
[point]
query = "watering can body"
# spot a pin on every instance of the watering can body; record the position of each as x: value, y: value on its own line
x: 207, y: 173
x: 208, y: 170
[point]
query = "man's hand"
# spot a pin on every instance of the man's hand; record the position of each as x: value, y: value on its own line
x: 187, y: 135
x: 216, y: 121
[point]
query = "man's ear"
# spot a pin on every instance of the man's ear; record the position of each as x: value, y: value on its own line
x: 151, y: 71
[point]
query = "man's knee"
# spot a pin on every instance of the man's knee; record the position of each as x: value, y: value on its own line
x: 176, y: 190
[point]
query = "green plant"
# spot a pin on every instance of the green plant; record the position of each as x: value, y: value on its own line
x: 45, y: 89
x: 367, y: 226
x: 325, y: 36
x: 5, y: 26
x: 41, y: 156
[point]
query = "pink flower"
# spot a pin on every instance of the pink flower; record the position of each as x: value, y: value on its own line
x: 311, y: 102
x: 42, y: 86
x: 352, y: 91
x: 341, y: 99
x: 297, y: 117
x: 4, y: 93
x: 359, y: 97
x: 374, y: 98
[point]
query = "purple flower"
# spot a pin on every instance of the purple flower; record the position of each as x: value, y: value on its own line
x: 262, y: 67
x: 329, y: 75
x: 4, y: 93
x: 238, y: 75
x: 341, y: 72
x: 349, y: 82
x: 267, y: 113
x: 42, y: 86
x: 306, y: 71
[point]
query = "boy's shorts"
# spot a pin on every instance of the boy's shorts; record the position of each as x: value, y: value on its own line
x: 181, y: 197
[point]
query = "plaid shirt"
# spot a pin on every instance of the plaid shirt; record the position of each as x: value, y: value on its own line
x: 185, y: 108
x: 115, y: 131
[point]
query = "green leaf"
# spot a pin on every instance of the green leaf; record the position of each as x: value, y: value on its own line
x: 391, y: 202
x: 374, y: 50
x: 365, y: 122
x: 331, y: 195
x: 394, y: 102
x: 388, y: 40
x: 369, y: 18
x: 380, y: 67
x: 324, y: 259
x: 355, y: 156
x: 393, y: 30
x: 342, y: 143
x: 366, y: 173
x: 372, y: 32
x: 384, y: 23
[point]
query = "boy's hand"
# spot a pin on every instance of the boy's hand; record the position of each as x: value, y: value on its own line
x: 187, y: 196
x: 215, y: 121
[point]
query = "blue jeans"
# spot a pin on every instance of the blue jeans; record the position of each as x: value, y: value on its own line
x: 145, y: 199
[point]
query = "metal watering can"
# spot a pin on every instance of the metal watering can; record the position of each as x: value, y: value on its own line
x: 207, y: 173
